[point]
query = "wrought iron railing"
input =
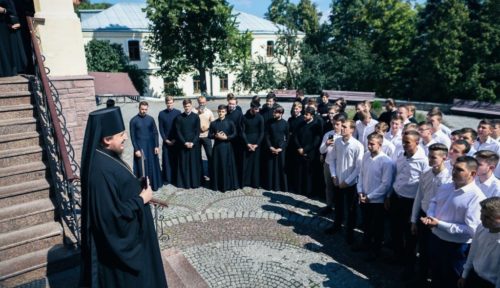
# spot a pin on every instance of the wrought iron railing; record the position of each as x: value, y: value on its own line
x: 57, y: 145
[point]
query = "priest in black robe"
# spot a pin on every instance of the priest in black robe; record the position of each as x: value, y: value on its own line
x: 277, y: 139
x: 236, y: 116
x: 12, y: 56
x: 119, y: 242
x: 223, y: 176
x: 307, y: 140
x: 292, y: 156
x: 252, y: 133
x: 166, y: 120
x: 144, y: 136
x: 189, y: 165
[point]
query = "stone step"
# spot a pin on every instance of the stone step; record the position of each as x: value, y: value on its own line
x: 15, y: 83
x: 11, y: 126
x: 179, y: 272
x: 18, y: 156
x: 23, y: 173
x: 24, y: 192
x: 37, y: 265
x: 16, y: 111
x: 16, y: 243
x: 26, y: 214
x: 15, y: 98
x: 18, y: 140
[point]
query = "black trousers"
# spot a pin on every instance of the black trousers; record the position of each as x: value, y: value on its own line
x: 448, y: 259
x: 475, y: 281
x: 373, y: 225
x: 346, y: 199
x: 404, y: 241
x: 423, y: 247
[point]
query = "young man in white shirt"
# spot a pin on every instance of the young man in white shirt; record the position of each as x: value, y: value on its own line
x: 469, y: 135
x: 375, y: 181
x: 483, y: 263
x: 364, y: 127
x: 426, y: 140
x: 436, y: 118
x: 404, y: 113
x: 387, y: 147
x: 457, y: 149
x: 325, y: 149
x: 410, y: 165
x: 495, y: 130
x: 453, y: 216
x: 486, y: 142
x: 345, y: 164
x: 431, y: 180
x: 394, y: 134
x: 485, y: 180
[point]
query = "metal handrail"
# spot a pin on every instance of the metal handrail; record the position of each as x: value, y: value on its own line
x: 68, y: 172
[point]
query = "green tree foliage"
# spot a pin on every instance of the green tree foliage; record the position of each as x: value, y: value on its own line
x: 441, y: 34
x: 194, y: 35
x: 102, y: 56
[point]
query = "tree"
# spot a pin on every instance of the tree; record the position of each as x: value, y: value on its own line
x: 439, y: 50
x: 194, y: 35
x: 102, y: 56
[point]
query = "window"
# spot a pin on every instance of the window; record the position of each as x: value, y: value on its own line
x: 134, y: 51
x: 196, y: 84
x: 223, y: 83
x: 270, y: 48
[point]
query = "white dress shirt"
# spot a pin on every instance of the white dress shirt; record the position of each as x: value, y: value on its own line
x: 445, y: 130
x: 395, y: 139
x: 427, y: 189
x: 442, y: 138
x: 323, y: 148
x: 345, y: 162
x: 484, y: 256
x: 408, y: 172
x: 490, y: 187
x: 376, y: 176
x: 362, y: 131
x: 458, y: 212
x: 489, y: 144
x: 426, y: 146
x: 388, y: 148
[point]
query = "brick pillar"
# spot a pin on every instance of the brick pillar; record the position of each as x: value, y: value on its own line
x: 77, y: 96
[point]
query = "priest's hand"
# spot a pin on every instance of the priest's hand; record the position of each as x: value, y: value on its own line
x: 138, y: 154
x: 147, y: 193
x: 157, y: 150
x: 15, y: 26
x: 189, y: 145
x: 301, y: 151
x: 169, y: 142
x: 250, y: 147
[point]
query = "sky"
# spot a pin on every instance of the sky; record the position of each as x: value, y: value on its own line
x: 255, y: 7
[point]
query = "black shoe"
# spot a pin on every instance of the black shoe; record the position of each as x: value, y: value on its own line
x: 325, y: 211
x: 332, y: 229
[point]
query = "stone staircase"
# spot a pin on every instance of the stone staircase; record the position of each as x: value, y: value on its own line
x: 31, y: 239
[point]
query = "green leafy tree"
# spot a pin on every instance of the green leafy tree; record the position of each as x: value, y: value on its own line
x: 102, y: 56
x: 439, y: 44
x: 194, y: 35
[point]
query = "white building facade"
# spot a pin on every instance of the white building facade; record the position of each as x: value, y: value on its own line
x: 126, y: 24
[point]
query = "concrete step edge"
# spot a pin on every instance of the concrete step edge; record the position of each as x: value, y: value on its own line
x: 17, y: 107
x: 25, y: 209
x: 19, y: 136
x: 23, y: 168
x: 23, y: 188
x: 20, y: 151
x: 30, y: 234
x: 11, y: 94
x: 17, y: 121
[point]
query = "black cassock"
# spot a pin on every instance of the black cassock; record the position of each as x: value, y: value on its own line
x: 292, y: 158
x: 144, y: 136
x: 223, y: 176
x: 252, y: 132
x: 12, y: 56
x: 307, y: 137
x: 166, y: 120
x: 277, y: 137
x: 238, y: 146
x: 188, y: 172
x: 119, y: 243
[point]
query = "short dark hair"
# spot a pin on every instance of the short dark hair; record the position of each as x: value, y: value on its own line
x: 491, y: 205
x: 186, y: 101
x: 310, y: 110
x: 469, y: 161
x: 339, y: 117
x: 486, y: 122
x: 463, y: 142
x: 412, y: 133
x: 271, y: 95
x: 143, y: 103
x: 489, y: 156
x: 279, y: 109
x: 222, y: 107
x: 469, y: 130
x: 377, y: 136
x: 439, y: 147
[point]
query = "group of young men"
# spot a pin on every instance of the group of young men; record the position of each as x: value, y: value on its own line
x: 430, y: 182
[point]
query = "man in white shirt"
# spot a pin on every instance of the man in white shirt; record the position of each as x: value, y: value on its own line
x: 206, y: 117
x: 326, y: 148
x: 404, y: 113
x: 364, y: 127
x: 485, y: 180
x: 436, y: 118
x: 483, y: 262
x: 486, y: 142
x: 345, y: 164
x: 375, y: 181
x: 469, y: 135
x: 453, y: 216
x: 387, y: 147
x: 394, y: 134
x: 426, y: 140
x: 430, y: 181
x: 495, y: 131
x: 457, y: 149
x: 409, y: 167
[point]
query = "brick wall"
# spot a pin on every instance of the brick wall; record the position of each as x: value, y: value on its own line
x: 77, y: 96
